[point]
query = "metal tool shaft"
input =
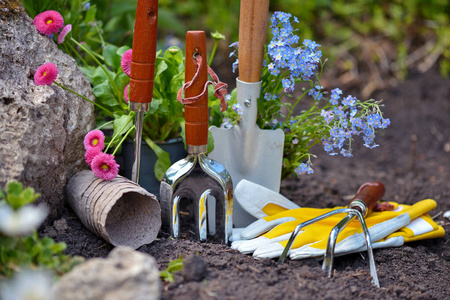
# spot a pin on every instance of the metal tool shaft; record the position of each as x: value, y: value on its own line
x: 135, y: 171
x: 142, y: 71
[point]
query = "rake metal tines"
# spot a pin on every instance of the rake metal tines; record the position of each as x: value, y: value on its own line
x: 362, y: 204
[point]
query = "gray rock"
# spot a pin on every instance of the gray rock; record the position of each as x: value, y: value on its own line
x: 41, y: 127
x: 194, y: 268
x: 125, y: 274
x: 61, y: 226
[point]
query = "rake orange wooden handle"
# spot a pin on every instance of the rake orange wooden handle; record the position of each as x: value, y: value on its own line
x: 144, y: 51
x: 196, y: 114
x: 370, y: 193
x: 252, y: 36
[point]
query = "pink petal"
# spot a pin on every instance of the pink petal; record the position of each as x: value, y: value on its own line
x: 46, y: 74
x: 126, y: 62
x: 94, y: 139
x: 48, y: 22
x: 90, y: 154
x: 63, y: 33
x: 125, y: 93
x: 104, y: 166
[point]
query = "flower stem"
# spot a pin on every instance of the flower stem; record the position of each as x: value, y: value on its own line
x: 105, y: 124
x: 213, y: 53
x: 77, y: 54
x: 123, y: 139
x: 116, y: 89
x: 116, y: 135
x: 295, y: 104
x: 79, y: 95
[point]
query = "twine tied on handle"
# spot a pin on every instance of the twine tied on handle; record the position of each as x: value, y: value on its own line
x: 220, y: 88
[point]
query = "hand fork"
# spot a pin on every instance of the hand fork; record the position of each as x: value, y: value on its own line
x: 197, y: 178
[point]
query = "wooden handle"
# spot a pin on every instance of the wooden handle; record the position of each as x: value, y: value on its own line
x: 196, y: 114
x: 370, y: 193
x: 144, y: 51
x: 252, y: 36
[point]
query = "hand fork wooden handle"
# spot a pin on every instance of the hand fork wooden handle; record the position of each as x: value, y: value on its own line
x: 196, y: 114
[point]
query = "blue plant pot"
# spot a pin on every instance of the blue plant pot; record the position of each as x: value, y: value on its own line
x: 147, y: 179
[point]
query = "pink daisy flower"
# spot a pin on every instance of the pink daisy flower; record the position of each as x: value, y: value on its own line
x: 104, y: 166
x: 46, y: 74
x: 126, y: 62
x: 94, y: 139
x: 48, y: 22
x: 125, y: 93
x: 63, y: 33
x: 90, y: 154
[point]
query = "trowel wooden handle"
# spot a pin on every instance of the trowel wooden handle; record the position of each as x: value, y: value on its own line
x: 144, y: 51
x: 370, y: 194
x: 252, y: 36
x: 196, y: 114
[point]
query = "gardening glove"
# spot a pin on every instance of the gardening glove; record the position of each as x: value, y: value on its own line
x: 278, y: 227
x: 259, y: 201
x: 421, y: 228
x: 312, y: 240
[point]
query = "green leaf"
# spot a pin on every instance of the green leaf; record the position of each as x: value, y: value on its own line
x: 102, y: 90
x: 111, y: 57
x: 175, y: 265
x: 122, y: 124
x: 122, y: 50
x: 121, y: 81
x: 166, y: 276
x: 90, y: 15
x: 154, y: 105
x: 28, y: 196
x: 14, y: 188
x: 161, y: 67
x: 99, y: 76
x: 58, y: 248
x: 183, y: 132
x: 47, y: 241
x: 163, y: 163
x: 88, y: 71
x: 210, y: 145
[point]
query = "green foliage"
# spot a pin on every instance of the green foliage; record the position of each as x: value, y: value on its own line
x: 29, y: 251
x: 162, y: 122
x: 174, y: 266
x: 16, y: 196
x: 33, y: 252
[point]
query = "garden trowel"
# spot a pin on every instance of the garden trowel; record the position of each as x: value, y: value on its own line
x: 246, y: 151
x: 142, y: 70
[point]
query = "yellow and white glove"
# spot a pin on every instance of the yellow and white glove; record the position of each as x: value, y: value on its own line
x: 268, y: 236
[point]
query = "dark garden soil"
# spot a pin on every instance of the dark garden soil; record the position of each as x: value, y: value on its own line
x: 412, y: 161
